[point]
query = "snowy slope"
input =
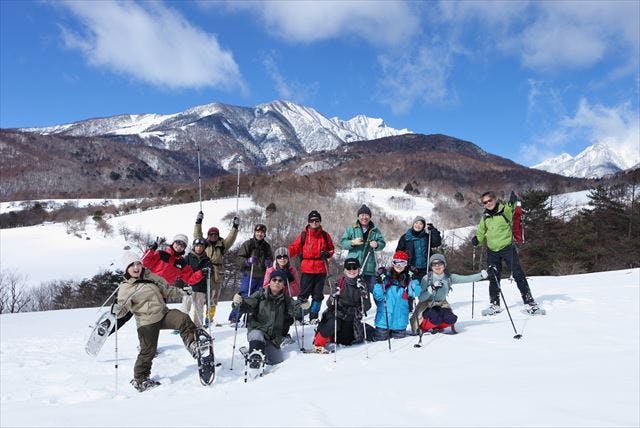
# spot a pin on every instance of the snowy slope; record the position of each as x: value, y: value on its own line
x: 576, y: 366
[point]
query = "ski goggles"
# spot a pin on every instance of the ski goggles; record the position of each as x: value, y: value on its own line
x: 400, y: 262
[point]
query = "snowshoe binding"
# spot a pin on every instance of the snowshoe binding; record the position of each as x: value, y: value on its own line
x: 254, y: 363
x: 100, y: 333
x: 533, y: 309
x: 493, y: 309
x: 145, y: 384
x: 202, y: 350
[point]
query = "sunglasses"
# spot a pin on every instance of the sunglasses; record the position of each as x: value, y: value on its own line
x: 282, y: 257
x: 400, y: 262
x: 314, y: 221
x: 488, y: 201
x: 277, y: 280
x: 352, y: 268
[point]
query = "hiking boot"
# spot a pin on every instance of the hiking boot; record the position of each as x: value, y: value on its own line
x: 193, y: 349
x: 320, y: 349
x: 255, y: 359
x: 492, y: 310
x: 142, y: 385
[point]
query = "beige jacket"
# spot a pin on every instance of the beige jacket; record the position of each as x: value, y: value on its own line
x: 216, y: 250
x: 144, y: 297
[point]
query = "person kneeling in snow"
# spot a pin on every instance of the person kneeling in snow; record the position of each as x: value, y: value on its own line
x: 433, y: 313
x: 394, y: 287
x: 269, y: 309
x: 349, y: 299
x: 143, y: 294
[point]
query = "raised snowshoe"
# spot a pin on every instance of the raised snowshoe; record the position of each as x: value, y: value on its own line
x: 532, y: 308
x: 202, y: 350
x: 493, y: 309
x: 100, y: 333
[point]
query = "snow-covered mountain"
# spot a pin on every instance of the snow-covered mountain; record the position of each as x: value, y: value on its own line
x: 595, y: 161
x: 263, y: 135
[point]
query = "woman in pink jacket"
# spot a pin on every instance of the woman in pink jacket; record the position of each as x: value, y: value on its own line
x: 281, y: 262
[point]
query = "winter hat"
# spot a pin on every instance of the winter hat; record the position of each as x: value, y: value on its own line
x: 438, y: 257
x: 352, y: 263
x: 281, y: 251
x: 199, y: 241
x: 314, y: 215
x: 420, y: 218
x: 364, y: 210
x: 180, y: 237
x: 213, y: 230
x: 128, y: 258
x: 260, y: 227
x: 400, y: 255
x: 278, y: 274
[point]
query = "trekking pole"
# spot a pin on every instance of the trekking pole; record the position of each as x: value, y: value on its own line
x: 364, y: 325
x: 108, y: 298
x: 294, y: 321
x: 238, y: 186
x: 199, y: 177
x: 517, y: 336
x: 386, y: 315
x: 335, y: 327
x: 116, y: 355
x: 209, y: 298
x: 473, y: 284
x: 235, y: 334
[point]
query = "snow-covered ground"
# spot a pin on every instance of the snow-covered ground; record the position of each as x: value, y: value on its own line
x: 576, y: 366
x: 51, y: 204
x: 394, y: 202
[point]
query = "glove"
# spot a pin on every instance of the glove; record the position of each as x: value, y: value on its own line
x: 290, y: 276
x: 179, y: 283
x: 484, y: 274
x: 268, y: 262
x: 237, y: 299
x: 115, y: 308
x: 199, y: 217
x: 475, y: 241
x: 187, y: 289
x: 429, y: 227
x: 335, y: 290
x: 360, y: 283
x: 205, y: 264
x: 355, y: 242
x: 153, y: 246
x: 305, y: 305
x: 236, y: 222
x: 179, y: 263
x: 373, y: 244
x: 493, y: 270
x: 251, y: 260
x: 437, y: 284
x: 324, y: 255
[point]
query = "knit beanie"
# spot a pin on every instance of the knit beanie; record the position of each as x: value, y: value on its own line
x: 180, y: 237
x: 400, y: 255
x: 128, y: 258
x: 420, y: 218
x: 438, y: 257
x: 213, y: 230
x: 314, y: 215
x: 281, y: 251
x: 364, y: 210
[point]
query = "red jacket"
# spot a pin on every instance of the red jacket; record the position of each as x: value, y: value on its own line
x: 316, y: 240
x: 170, y: 266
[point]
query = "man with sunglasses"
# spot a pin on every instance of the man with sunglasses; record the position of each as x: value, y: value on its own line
x: 216, y: 247
x: 495, y: 228
x: 270, y: 309
x: 315, y: 247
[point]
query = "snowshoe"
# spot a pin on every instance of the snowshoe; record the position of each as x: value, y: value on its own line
x: 142, y: 385
x: 202, y: 350
x: 318, y: 350
x: 534, y: 309
x: 254, y: 363
x: 287, y: 340
x: 491, y: 310
x: 100, y: 333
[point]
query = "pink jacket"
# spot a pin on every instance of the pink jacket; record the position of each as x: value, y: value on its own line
x: 294, y: 285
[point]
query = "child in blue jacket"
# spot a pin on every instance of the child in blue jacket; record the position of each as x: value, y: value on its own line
x: 391, y: 293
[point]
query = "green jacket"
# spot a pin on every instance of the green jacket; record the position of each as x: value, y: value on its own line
x: 495, y: 228
x: 270, y: 313
x: 216, y: 250
x: 360, y: 252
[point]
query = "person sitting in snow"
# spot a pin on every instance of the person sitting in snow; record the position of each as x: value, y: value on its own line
x: 349, y: 300
x: 270, y: 309
x: 433, y: 313
x: 143, y: 294
x: 394, y: 287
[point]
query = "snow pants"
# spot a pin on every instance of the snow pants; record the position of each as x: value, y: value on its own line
x: 148, y: 337
x: 437, y: 317
x: 257, y: 340
x: 509, y: 255
x: 312, y: 284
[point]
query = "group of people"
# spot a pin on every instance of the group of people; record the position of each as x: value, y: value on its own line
x: 274, y: 294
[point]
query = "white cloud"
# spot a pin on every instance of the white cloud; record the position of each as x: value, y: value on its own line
x: 379, y: 22
x: 286, y: 88
x: 152, y: 43
x: 415, y: 77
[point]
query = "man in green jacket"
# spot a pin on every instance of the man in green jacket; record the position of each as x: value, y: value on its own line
x: 495, y: 228
x: 270, y: 309
x: 362, y: 239
x: 215, y: 249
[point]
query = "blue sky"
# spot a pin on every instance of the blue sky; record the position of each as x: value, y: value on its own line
x: 525, y: 80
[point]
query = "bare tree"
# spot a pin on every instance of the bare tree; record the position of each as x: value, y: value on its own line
x: 13, y: 296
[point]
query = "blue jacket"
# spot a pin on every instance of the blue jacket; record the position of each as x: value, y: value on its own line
x: 397, y: 292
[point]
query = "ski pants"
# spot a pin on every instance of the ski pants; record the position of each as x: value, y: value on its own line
x: 148, y: 337
x: 257, y: 340
x: 383, y: 334
x: 326, y: 330
x: 509, y: 255
x: 312, y: 284
x: 186, y: 303
x: 199, y: 301
x: 255, y: 284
